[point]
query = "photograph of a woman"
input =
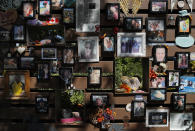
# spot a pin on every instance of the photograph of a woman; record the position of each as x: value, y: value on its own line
x: 182, y: 60
x: 108, y: 44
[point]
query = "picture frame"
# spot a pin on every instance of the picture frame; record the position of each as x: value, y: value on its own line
x: 68, y: 15
x: 48, y: 53
x: 159, y: 53
x: 187, y: 83
x: 94, y: 78
x: 27, y: 62
x: 55, y: 66
x: 181, y: 121
x: 183, y: 24
x: 133, y: 24
x: 88, y: 49
x: 158, y: 82
x: 19, y: 33
x: 182, y: 60
x: 41, y: 104
x: 173, y: 80
x: 43, y: 71
x: 10, y: 63
x: 157, y: 94
x: 108, y: 44
x: 57, y: 4
x: 28, y: 8
x: 157, y: 117
x: 138, y: 109
x: 137, y: 47
x: 99, y: 100
x: 68, y: 56
x: 17, y: 83
x: 156, y: 30
x: 113, y: 11
x: 66, y: 75
x: 178, y: 101
x: 44, y: 8
x: 158, y: 6
x: 5, y: 35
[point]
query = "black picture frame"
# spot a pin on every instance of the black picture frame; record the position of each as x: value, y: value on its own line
x: 158, y: 54
x: 5, y: 35
x: 31, y: 12
x: 42, y: 14
x: 45, y: 51
x: 129, y: 25
x: 103, y: 100
x: 138, y: 109
x: 109, y: 14
x: 43, y: 75
x: 156, y: 33
x: 41, y: 104
x: 173, y: 82
x: 158, y: 6
x: 66, y: 19
x: 95, y: 83
x: 55, y: 66
x: 27, y: 62
x: 180, y: 20
x: 56, y: 5
x: 10, y: 63
x: 182, y: 65
x: 68, y: 56
x: 66, y: 75
x: 158, y: 82
x: 178, y: 102
x: 108, y: 39
x: 154, y: 97
x: 19, y: 33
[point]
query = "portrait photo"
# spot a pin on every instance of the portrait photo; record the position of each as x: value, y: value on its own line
x: 66, y: 75
x: 113, y: 11
x: 88, y: 49
x: 44, y: 7
x: 182, y: 60
x: 55, y: 66
x: 28, y: 10
x: 108, y: 44
x: 159, y: 53
x: 94, y: 76
x: 158, y: 6
x: 133, y: 23
x: 19, y: 33
x: 43, y: 71
x: 27, y: 62
x: 178, y: 102
x: 48, y: 53
x: 173, y: 78
x: 131, y: 44
x: 99, y: 99
x: 157, y: 94
x: 68, y: 56
x: 158, y: 82
x: 68, y: 16
x: 156, y: 30
x: 42, y: 104
x: 187, y: 83
x: 138, y: 109
x: 10, y: 63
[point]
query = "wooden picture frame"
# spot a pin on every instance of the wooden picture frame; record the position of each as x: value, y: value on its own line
x: 41, y: 104
x: 19, y: 33
x: 44, y: 8
x: 158, y: 6
x: 66, y: 75
x: 134, y: 24
x: 99, y: 100
x: 68, y: 16
x: 28, y: 9
x: 138, y: 109
x: 94, y: 78
x: 182, y: 60
x: 156, y: 30
x: 178, y: 102
x: 157, y: 94
x: 10, y: 63
x: 173, y: 80
x: 49, y: 53
x: 17, y: 84
x: 159, y: 53
x: 113, y: 11
x: 68, y: 56
x: 43, y: 71
x: 183, y: 24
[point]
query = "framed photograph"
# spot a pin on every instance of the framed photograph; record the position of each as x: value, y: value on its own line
x: 108, y: 44
x: 157, y: 117
x: 173, y: 80
x: 5, y: 35
x: 156, y: 31
x: 55, y: 66
x: 158, y: 82
x: 157, y: 94
x: 187, y: 83
x: 192, y: 56
x: 182, y: 60
x: 178, y: 101
x: 131, y: 45
x: 101, y: 100
x: 19, y: 33
x: 66, y: 75
x: 159, y: 53
x: 44, y: 7
x: 133, y: 23
x: 181, y: 121
x: 10, y: 63
x: 68, y: 56
x: 27, y: 63
x: 68, y: 16
x: 159, y: 68
x: 183, y: 25
x: 28, y: 9
x: 17, y: 83
x: 49, y: 53
x: 94, y: 76
x: 42, y: 105
x: 87, y: 15
x: 57, y: 4
x: 113, y: 11
x: 138, y: 109
x: 158, y: 6
x: 88, y: 49
x: 43, y: 71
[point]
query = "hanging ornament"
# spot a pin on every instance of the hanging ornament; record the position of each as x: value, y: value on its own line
x: 124, y: 5
x: 136, y: 4
x: 190, y: 3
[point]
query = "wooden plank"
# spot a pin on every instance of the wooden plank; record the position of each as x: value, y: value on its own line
x: 121, y: 114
